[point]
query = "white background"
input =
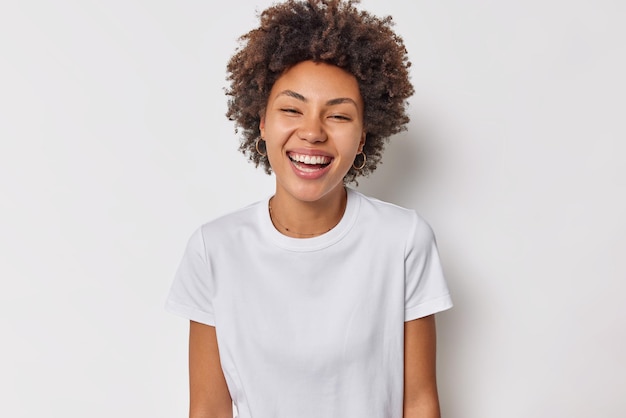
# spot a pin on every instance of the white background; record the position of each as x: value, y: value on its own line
x: 114, y: 147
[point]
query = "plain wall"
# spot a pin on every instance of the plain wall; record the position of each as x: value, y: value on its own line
x: 114, y: 147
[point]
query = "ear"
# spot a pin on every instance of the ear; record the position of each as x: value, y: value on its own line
x: 262, y: 125
x: 362, y: 142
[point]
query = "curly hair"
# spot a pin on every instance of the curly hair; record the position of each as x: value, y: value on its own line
x: 333, y: 32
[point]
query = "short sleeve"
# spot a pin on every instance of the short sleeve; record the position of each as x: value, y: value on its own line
x: 426, y: 290
x: 193, y: 289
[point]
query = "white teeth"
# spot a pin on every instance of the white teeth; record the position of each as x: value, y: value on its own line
x: 310, y: 159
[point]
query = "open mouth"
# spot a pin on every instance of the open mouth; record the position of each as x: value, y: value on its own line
x: 309, y: 162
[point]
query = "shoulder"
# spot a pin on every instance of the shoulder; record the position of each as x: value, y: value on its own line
x: 389, y: 214
x: 236, y: 217
x: 389, y: 219
x: 227, y: 227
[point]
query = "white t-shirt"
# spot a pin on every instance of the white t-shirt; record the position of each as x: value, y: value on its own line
x: 314, y: 327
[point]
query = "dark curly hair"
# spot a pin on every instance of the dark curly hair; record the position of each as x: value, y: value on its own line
x: 333, y: 32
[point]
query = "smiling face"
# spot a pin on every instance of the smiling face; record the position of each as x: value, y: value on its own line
x: 313, y: 129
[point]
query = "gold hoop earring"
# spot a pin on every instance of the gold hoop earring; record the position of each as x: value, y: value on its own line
x: 362, y: 164
x: 256, y: 146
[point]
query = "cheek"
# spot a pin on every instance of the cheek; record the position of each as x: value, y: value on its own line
x: 273, y: 146
x: 352, y: 142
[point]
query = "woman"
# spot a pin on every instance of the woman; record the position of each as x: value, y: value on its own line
x: 317, y: 301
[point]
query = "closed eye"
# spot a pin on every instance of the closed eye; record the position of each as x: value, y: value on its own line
x: 290, y: 110
x: 341, y: 117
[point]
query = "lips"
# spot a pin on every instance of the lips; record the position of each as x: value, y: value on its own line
x: 309, y: 161
x: 309, y: 164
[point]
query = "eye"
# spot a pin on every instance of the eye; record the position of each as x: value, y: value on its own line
x: 342, y: 118
x: 290, y: 111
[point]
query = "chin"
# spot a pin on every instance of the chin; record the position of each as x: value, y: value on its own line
x: 314, y: 193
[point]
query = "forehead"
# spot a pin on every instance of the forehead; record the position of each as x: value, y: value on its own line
x: 318, y: 81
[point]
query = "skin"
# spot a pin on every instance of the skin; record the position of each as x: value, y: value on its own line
x: 208, y: 393
x: 313, y: 110
x: 420, y: 382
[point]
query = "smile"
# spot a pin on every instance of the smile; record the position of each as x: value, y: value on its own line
x: 309, y: 164
x: 309, y: 161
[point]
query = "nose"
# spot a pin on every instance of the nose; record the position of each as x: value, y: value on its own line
x: 312, y: 130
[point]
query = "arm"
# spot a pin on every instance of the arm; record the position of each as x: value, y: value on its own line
x: 420, y: 383
x: 208, y: 393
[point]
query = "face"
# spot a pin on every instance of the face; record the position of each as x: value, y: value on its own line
x: 313, y: 129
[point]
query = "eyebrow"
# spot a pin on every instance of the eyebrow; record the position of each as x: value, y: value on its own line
x: 331, y: 102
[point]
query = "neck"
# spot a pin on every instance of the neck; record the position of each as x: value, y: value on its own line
x: 301, y: 219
